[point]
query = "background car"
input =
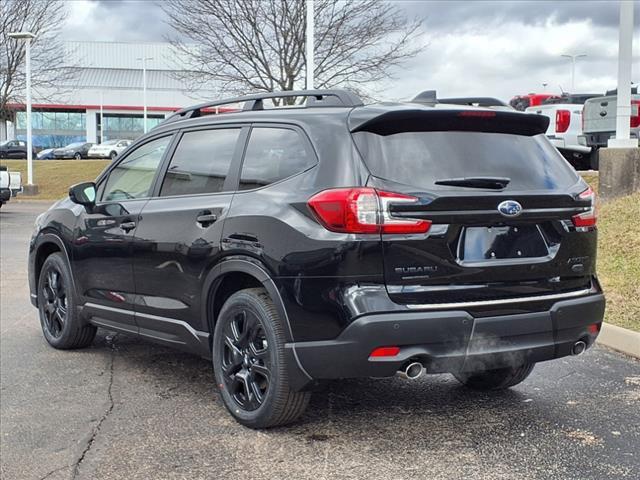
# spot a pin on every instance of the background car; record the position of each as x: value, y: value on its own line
x: 109, y: 149
x: 74, y: 150
x: 14, y: 149
x: 46, y: 154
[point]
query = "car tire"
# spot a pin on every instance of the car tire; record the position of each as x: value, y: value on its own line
x: 249, y: 362
x: 61, y: 324
x: 78, y: 156
x: 497, y: 379
x: 113, y: 155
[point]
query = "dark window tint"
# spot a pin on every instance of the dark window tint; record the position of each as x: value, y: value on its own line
x: 420, y: 158
x: 201, y: 162
x: 133, y: 176
x: 273, y: 154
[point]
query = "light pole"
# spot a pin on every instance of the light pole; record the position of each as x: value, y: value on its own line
x: 309, y: 44
x: 573, y: 68
x: 30, y: 188
x: 144, y: 89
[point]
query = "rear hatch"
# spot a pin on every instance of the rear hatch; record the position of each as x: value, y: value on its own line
x: 501, y: 200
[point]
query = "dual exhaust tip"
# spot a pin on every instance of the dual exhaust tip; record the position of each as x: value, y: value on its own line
x: 414, y: 370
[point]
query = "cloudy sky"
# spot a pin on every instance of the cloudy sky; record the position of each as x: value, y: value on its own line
x: 493, y: 48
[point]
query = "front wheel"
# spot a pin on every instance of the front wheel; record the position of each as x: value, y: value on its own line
x: 77, y: 156
x: 249, y: 362
x: 113, y: 155
x: 497, y: 379
x: 61, y: 325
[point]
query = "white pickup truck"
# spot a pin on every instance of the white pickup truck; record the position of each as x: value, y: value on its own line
x: 10, y: 184
x: 599, y: 116
x: 565, y: 126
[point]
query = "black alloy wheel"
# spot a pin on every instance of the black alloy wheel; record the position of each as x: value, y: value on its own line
x: 246, y: 366
x: 249, y: 362
x: 54, y: 297
x: 61, y: 322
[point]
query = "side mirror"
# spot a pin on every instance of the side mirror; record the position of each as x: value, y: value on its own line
x: 83, y: 194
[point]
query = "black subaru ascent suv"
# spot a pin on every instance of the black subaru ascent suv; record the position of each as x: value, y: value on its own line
x: 328, y: 239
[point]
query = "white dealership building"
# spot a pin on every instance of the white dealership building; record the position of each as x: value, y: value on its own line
x: 104, y: 99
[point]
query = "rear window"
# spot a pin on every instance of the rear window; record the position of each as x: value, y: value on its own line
x: 421, y: 158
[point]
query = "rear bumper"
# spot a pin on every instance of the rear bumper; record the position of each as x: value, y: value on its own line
x: 452, y: 340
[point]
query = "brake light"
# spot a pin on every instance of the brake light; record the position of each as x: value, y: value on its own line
x: 385, y: 352
x: 634, y: 121
x: 563, y: 119
x: 588, y: 218
x: 477, y: 113
x: 363, y: 210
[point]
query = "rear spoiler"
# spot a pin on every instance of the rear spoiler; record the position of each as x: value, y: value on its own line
x: 435, y: 120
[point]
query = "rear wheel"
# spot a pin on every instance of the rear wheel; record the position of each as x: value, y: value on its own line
x: 497, y: 379
x: 249, y: 362
x: 61, y: 324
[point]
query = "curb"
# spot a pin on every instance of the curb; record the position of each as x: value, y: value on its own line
x: 620, y: 339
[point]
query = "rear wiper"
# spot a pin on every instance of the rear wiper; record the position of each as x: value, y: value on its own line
x: 496, y: 183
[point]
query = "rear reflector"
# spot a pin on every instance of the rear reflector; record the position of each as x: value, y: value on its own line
x: 363, y: 210
x: 635, y: 114
x: 594, y: 328
x: 563, y: 119
x: 588, y: 218
x: 385, y: 352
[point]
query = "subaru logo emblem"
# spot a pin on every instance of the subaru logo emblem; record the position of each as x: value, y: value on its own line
x: 510, y: 208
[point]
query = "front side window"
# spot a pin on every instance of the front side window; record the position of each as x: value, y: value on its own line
x: 272, y: 155
x: 201, y: 162
x: 133, y: 176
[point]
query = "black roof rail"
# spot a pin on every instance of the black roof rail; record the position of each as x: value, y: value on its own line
x: 315, y: 98
x: 474, y: 101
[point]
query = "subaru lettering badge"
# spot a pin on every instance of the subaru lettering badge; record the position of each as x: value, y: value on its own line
x: 510, y: 208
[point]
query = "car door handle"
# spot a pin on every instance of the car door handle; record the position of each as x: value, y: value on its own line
x: 128, y: 226
x: 206, y: 218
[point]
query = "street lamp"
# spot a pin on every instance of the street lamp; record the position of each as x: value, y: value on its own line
x: 30, y: 188
x: 573, y: 68
x: 144, y: 89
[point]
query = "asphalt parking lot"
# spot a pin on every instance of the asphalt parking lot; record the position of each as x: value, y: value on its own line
x: 129, y: 409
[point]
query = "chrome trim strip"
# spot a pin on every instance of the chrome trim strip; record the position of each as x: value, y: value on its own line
x: 502, y: 301
x: 193, y: 331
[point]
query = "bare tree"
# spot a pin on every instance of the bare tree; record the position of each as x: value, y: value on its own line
x: 50, y: 71
x: 255, y: 45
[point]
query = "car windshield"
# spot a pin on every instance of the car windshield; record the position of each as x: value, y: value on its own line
x: 110, y: 142
x: 74, y: 145
x: 6, y: 142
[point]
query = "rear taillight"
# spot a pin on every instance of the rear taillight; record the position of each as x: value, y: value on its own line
x: 563, y: 119
x: 363, y: 210
x: 588, y: 218
x: 634, y: 121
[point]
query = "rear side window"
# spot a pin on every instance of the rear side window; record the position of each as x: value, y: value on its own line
x: 421, y: 158
x: 273, y: 154
x: 201, y: 162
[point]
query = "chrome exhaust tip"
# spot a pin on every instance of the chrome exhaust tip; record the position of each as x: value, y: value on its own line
x: 578, y: 348
x: 412, y: 371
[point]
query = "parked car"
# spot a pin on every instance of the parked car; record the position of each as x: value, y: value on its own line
x: 5, y: 185
x: 599, y: 117
x: 522, y: 102
x: 14, y: 149
x: 109, y: 149
x: 76, y: 150
x: 46, y: 154
x: 332, y: 240
x: 565, y: 126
